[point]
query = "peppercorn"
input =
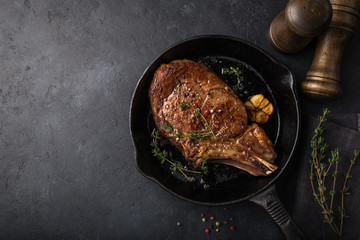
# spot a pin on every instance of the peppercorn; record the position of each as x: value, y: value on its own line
x: 225, y: 208
x: 232, y: 219
x: 211, y: 111
x: 217, y: 230
x: 210, y: 226
x: 207, y: 111
x: 195, y: 105
x: 203, y: 219
x: 217, y: 224
x: 178, y: 223
x: 212, y: 218
x: 232, y: 228
x: 225, y: 222
x: 202, y: 215
x: 207, y: 230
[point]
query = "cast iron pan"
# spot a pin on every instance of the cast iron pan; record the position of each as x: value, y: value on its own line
x: 225, y: 184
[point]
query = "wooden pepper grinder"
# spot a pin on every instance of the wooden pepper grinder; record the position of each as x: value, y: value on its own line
x: 293, y: 29
x: 323, y: 78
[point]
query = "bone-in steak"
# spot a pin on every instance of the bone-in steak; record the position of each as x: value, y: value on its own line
x: 204, y: 119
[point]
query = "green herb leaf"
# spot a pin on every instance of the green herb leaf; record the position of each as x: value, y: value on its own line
x: 162, y: 156
x: 319, y: 172
x: 234, y: 71
x: 202, y: 135
x: 167, y: 127
x: 348, y: 175
x: 195, y: 134
x: 356, y: 153
x: 184, y: 106
x: 203, y: 166
x: 312, y: 176
x: 225, y: 71
x: 178, y: 134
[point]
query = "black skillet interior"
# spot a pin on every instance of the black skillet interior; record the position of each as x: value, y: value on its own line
x: 262, y: 74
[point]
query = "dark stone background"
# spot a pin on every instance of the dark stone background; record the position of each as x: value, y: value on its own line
x: 67, y: 73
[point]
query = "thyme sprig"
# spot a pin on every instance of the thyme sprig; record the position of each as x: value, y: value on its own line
x: 319, y: 171
x: 162, y: 155
x: 234, y: 71
x: 204, y: 133
x: 208, y: 128
x: 345, y: 189
x: 204, y: 166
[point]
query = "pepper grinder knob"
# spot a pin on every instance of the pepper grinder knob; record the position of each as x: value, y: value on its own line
x: 293, y: 29
x: 323, y: 78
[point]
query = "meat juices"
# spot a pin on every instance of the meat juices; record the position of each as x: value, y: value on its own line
x: 221, y: 134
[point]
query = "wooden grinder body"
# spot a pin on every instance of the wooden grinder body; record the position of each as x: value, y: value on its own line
x: 323, y: 78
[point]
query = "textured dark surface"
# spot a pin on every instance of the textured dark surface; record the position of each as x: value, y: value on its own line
x: 67, y: 73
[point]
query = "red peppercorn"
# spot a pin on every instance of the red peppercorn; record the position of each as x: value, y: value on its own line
x: 202, y: 215
x: 232, y: 228
x: 207, y: 230
x: 212, y: 218
x: 207, y: 111
x: 195, y: 105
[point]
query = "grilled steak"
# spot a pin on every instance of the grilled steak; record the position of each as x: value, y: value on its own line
x: 204, y: 119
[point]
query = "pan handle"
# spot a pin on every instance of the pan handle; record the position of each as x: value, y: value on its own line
x: 269, y: 200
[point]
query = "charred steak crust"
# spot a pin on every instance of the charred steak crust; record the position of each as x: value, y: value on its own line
x: 234, y: 142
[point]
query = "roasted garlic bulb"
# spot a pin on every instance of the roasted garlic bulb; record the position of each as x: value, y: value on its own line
x: 259, y: 108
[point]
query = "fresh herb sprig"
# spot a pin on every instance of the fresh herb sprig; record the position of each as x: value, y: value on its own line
x: 345, y: 189
x: 203, y: 134
x: 204, y: 168
x: 319, y: 170
x: 176, y: 165
x: 210, y: 131
x: 234, y: 71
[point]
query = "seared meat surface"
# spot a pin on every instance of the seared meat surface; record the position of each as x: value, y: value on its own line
x: 205, y: 119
